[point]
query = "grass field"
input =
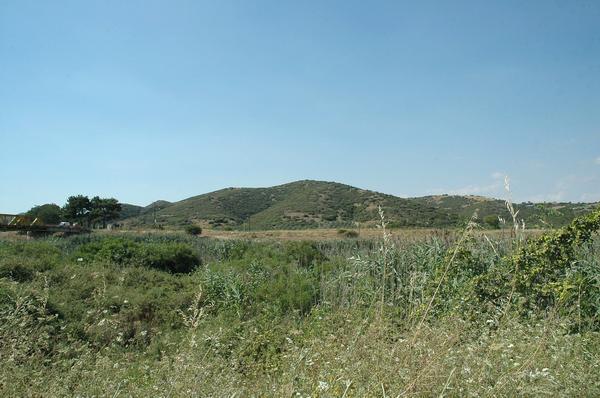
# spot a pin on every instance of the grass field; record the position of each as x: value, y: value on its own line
x: 302, y: 313
x: 401, y: 235
x: 404, y: 235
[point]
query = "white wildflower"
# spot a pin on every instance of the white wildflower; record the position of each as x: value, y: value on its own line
x: 536, y: 374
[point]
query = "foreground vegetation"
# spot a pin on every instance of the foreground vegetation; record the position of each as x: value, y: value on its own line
x: 176, y: 315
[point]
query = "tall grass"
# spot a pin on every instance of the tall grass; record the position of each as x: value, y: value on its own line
x: 96, y: 316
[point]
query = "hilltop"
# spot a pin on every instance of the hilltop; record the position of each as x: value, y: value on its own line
x: 312, y: 204
x: 301, y: 204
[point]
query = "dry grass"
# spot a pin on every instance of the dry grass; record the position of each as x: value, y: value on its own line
x: 409, y: 235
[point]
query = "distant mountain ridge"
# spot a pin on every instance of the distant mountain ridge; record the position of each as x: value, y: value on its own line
x: 314, y: 204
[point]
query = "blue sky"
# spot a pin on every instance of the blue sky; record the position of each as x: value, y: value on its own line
x: 146, y: 100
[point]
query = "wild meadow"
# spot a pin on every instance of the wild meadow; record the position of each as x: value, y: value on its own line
x: 463, y: 314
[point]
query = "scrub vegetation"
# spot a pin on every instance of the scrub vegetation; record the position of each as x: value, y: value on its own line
x: 309, y: 204
x: 181, y: 315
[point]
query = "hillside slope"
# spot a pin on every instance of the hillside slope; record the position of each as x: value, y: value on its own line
x: 312, y: 204
x: 130, y: 211
x: 534, y: 214
x: 301, y: 204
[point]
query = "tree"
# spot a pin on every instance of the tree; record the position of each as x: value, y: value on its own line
x: 89, y: 212
x: 48, y: 213
x: 77, y: 209
x: 492, y: 221
x: 104, y: 210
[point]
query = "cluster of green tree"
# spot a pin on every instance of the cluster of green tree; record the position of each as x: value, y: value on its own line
x: 79, y: 209
x: 49, y: 213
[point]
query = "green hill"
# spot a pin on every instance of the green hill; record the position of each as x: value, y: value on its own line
x: 301, y: 204
x: 313, y: 204
x: 129, y: 210
x: 534, y: 214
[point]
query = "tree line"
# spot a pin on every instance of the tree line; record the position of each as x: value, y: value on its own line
x: 80, y: 209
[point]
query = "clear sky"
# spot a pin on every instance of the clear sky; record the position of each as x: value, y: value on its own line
x: 146, y: 100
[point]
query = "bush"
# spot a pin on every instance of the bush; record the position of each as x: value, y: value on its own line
x: 330, y: 217
x: 112, y: 250
x: 194, y: 230
x: 348, y: 233
x: 165, y: 256
x: 21, y: 261
x: 492, y: 221
x: 171, y: 257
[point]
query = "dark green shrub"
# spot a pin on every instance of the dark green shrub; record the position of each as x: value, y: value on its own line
x: 21, y: 269
x: 194, y: 230
x: 543, y: 266
x: 171, y: 257
x: 119, y: 251
x: 21, y: 261
x: 166, y: 256
x: 330, y: 216
x: 546, y: 272
x: 492, y: 221
x: 396, y: 224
